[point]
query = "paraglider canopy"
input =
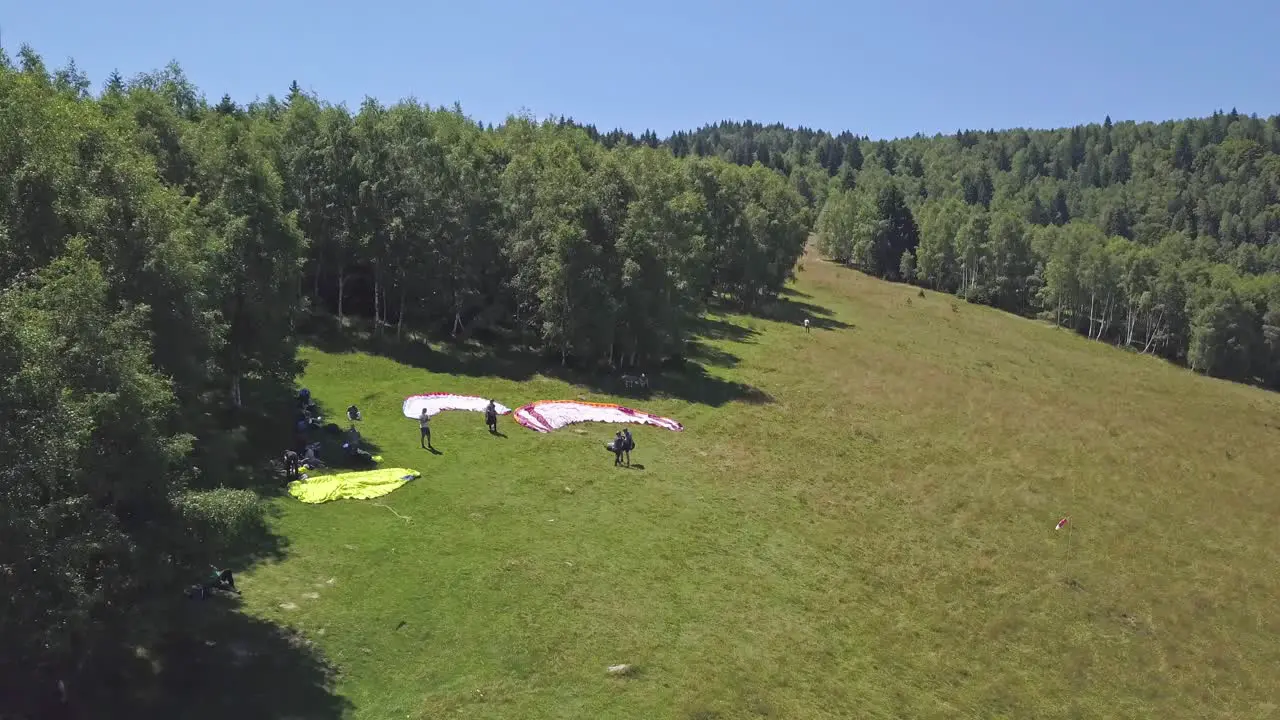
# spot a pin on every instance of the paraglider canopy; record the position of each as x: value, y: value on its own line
x: 438, y: 402
x: 547, y: 415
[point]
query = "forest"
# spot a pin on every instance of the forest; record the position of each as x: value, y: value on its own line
x: 1163, y: 238
x: 159, y: 254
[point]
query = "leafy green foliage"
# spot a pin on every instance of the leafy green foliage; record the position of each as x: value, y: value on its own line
x: 149, y: 279
x: 988, y: 205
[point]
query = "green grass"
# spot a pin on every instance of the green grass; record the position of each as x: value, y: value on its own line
x: 875, y: 541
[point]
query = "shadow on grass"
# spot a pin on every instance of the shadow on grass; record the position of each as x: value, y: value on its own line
x: 711, y: 355
x: 787, y: 309
x: 684, y: 379
x: 206, y: 658
x: 791, y: 292
x: 217, y: 663
x: 229, y: 665
x: 716, y: 329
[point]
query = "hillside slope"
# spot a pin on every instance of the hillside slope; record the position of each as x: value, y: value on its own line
x: 874, y: 540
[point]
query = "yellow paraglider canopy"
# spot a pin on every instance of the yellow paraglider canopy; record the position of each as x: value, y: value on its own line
x: 355, y: 485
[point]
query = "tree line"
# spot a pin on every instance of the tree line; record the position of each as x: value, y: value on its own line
x: 1159, y: 237
x: 1163, y: 237
x: 531, y: 231
x: 158, y: 253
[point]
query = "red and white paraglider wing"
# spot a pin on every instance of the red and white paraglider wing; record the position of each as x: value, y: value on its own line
x: 547, y: 415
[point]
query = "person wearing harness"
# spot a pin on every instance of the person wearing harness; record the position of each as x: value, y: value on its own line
x: 617, y: 446
x: 628, y: 444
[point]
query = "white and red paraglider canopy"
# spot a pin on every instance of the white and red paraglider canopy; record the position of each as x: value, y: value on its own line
x: 547, y: 415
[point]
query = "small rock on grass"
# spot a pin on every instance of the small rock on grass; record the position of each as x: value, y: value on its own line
x: 288, y: 606
x: 623, y: 669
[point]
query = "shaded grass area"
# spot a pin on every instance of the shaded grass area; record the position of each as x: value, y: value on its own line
x: 231, y: 665
x: 214, y: 661
x: 686, y: 378
x: 877, y: 541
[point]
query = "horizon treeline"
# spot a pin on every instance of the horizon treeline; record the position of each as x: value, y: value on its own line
x: 1159, y: 237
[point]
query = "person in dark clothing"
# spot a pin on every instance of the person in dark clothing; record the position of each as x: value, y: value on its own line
x: 424, y: 425
x: 219, y: 580
x: 352, y: 444
x: 491, y: 418
x: 224, y: 580
x: 291, y: 465
x: 628, y: 444
x: 311, y: 459
x: 617, y: 447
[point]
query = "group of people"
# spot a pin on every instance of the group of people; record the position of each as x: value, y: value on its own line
x: 621, y: 446
x: 308, y: 417
x: 293, y: 461
x: 306, y: 452
x: 424, y: 424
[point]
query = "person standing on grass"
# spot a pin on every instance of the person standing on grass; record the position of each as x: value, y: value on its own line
x: 616, y: 446
x: 424, y: 424
x: 628, y: 443
x: 806, y: 324
x: 491, y: 418
x: 291, y: 465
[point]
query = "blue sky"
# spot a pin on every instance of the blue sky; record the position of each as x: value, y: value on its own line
x: 880, y: 69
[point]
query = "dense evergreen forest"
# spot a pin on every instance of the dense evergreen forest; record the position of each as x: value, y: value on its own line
x: 1160, y: 237
x: 158, y: 253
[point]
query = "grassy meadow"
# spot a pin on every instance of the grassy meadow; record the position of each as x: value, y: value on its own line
x: 857, y: 522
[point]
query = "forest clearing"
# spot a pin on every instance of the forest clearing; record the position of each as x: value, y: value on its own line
x: 876, y: 539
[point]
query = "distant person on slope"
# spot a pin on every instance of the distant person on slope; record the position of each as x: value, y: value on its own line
x: 628, y: 444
